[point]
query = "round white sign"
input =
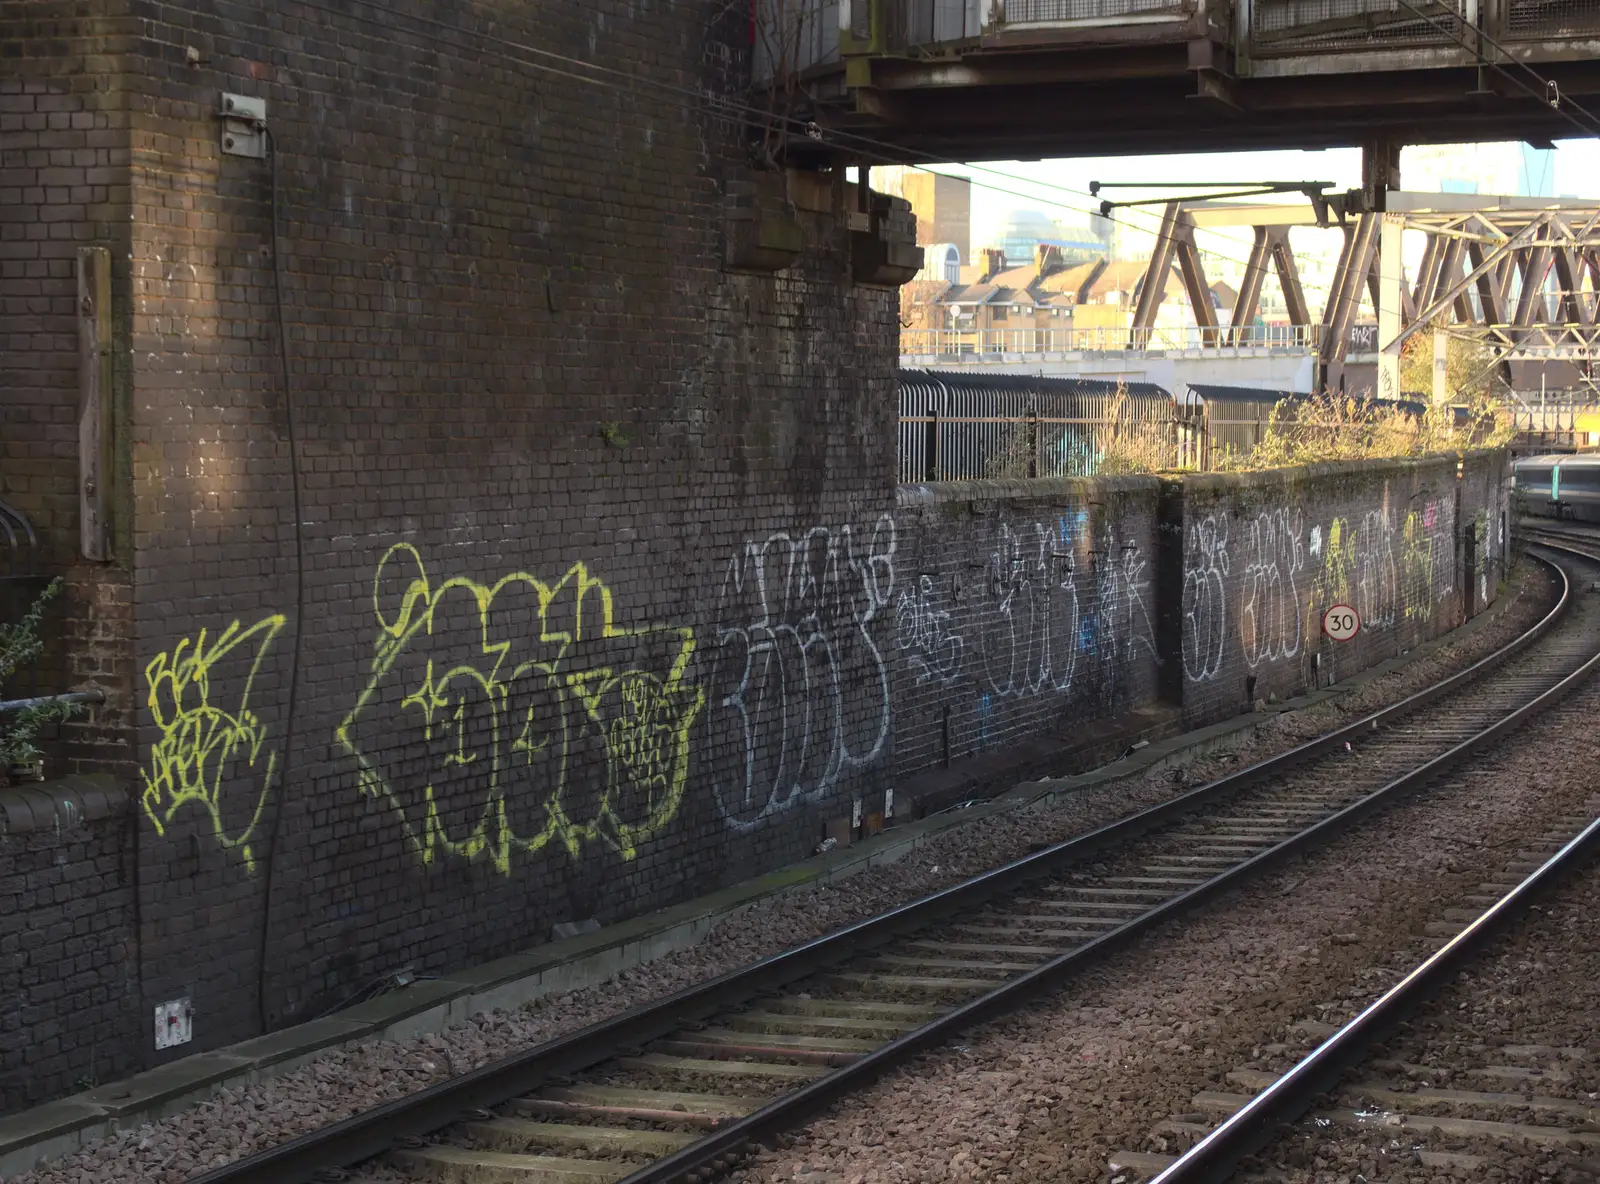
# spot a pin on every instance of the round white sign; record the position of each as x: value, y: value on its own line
x: 1341, y: 622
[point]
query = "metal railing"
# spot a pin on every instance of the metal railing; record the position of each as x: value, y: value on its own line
x: 956, y: 343
x: 790, y: 37
x: 1553, y: 414
x: 967, y: 428
x: 1050, y: 12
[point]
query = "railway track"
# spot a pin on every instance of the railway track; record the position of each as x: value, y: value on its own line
x: 1438, y: 1102
x: 681, y: 1089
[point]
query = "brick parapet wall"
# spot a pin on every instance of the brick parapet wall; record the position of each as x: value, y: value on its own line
x: 1021, y: 607
x: 528, y: 400
x: 1266, y: 554
x: 69, y: 1014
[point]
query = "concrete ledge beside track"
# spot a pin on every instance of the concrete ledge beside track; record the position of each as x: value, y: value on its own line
x: 59, y: 1128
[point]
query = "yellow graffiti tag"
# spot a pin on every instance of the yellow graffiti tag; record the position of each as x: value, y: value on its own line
x: 1416, y: 560
x: 498, y: 717
x: 200, y: 742
x: 1338, y: 562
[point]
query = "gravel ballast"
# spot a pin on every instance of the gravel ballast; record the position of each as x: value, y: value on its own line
x: 1533, y: 1001
x: 1107, y: 1036
x: 1050, y: 1093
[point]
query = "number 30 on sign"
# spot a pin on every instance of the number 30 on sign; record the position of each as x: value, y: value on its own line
x: 1341, y: 622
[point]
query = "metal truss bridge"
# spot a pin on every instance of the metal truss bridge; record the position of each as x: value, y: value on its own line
x: 956, y: 80
x: 1521, y: 279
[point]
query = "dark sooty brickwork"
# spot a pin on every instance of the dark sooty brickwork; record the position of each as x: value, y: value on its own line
x: 599, y: 592
x: 1020, y: 608
x: 68, y: 991
x: 1411, y: 546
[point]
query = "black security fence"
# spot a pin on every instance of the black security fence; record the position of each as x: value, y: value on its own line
x: 958, y: 427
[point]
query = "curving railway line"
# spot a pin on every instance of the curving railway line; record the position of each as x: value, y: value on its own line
x: 682, y: 1089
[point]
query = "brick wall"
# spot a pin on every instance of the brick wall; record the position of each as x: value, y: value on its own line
x: 1020, y: 607
x: 63, y: 185
x: 543, y: 569
x: 588, y: 546
x: 1266, y: 554
x: 68, y: 995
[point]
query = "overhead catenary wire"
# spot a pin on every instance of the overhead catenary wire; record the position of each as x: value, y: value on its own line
x: 1593, y: 128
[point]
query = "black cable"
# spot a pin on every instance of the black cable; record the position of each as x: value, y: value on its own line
x: 1545, y: 82
x: 1527, y: 69
x: 299, y: 591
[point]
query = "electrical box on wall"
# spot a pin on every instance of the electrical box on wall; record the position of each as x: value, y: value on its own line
x: 244, y: 126
x: 174, y: 1023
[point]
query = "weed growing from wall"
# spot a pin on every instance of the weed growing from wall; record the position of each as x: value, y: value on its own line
x: 21, y: 645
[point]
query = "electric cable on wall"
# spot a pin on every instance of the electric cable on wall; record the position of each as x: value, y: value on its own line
x: 299, y: 588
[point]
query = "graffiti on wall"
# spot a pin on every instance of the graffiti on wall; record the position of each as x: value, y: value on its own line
x: 800, y: 689
x: 1057, y: 606
x: 1205, y: 598
x: 539, y: 717
x: 1420, y: 565
x: 1029, y: 636
x: 923, y: 632
x: 1270, y: 624
x: 1359, y: 567
x: 209, y: 755
x: 1119, y: 628
x: 1289, y: 574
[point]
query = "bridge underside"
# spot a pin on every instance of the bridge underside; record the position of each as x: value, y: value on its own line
x: 1006, y: 79
x: 1073, y: 104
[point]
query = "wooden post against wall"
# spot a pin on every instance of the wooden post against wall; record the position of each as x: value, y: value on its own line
x: 94, y: 399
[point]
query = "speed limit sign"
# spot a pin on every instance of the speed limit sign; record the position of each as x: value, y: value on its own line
x: 1341, y: 622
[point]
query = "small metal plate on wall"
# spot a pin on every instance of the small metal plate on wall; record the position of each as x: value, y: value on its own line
x: 244, y: 126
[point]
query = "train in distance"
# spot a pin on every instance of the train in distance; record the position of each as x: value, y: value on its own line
x: 1559, y: 486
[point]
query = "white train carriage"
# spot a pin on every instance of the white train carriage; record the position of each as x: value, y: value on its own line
x: 1559, y: 486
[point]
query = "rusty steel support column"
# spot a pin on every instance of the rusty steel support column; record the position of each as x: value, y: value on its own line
x: 1380, y: 172
x: 1294, y: 296
x: 1344, y: 297
x: 1249, y: 298
x: 1155, y: 279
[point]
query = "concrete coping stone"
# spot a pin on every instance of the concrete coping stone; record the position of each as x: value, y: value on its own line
x: 62, y: 803
x: 931, y: 494
x: 1036, y: 489
x: 1275, y: 478
x: 31, y: 1137
x: 175, y: 1084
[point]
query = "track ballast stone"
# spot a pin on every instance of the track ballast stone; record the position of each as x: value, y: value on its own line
x: 241, y: 1121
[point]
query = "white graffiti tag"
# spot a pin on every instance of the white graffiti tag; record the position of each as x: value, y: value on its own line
x: 800, y: 691
x: 1205, y: 600
x: 924, y: 633
x: 1270, y: 620
x: 1030, y: 633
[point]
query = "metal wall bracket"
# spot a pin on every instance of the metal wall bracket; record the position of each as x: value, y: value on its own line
x: 244, y: 126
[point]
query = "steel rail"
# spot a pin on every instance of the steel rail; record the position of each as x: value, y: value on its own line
x: 311, y: 1156
x: 1247, y: 1130
x: 789, y: 1110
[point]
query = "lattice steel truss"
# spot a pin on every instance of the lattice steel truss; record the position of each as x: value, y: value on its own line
x: 1523, y: 284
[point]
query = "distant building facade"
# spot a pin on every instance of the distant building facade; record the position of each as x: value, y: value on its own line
x: 942, y: 204
x: 1027, y: 230
x: 1504, y: 170
x: 1021, y: 309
